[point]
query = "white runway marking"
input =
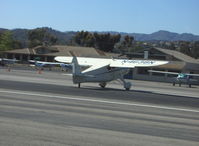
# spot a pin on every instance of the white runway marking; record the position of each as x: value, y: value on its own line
x: 69, y: 74
x: 99, y: 101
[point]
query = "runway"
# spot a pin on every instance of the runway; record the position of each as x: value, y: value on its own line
x: 46, y: 109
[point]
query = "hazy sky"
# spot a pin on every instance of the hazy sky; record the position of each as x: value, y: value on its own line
x: 141, y: 16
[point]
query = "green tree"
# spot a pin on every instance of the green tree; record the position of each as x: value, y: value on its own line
x: 6, y: 41
x: 195, y: 49
x: 40, y: 36
x: 84, y: 38
x: 128, y: 40
x: 106, y: 42
x: 16, y: 44
x: 185, y: 47
x: 103, y: 42
x: 126, y: 44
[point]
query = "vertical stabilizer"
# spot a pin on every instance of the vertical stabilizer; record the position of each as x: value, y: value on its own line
x: 75, y: 66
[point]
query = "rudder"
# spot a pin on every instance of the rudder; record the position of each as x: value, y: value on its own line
x: 76, y: 70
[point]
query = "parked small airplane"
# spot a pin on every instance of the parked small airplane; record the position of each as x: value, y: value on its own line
x: 104, y: 70
x: 180, y: 77
x: 4, y: 61
x: 41, y: 64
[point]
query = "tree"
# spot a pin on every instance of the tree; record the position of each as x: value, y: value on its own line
x: 106, y: 42
x: 84, y: 38
x: 103, y: 42
x: 40, y: 36
x: 16, y: 44
x: 128, y: 40
x: 185, y: 47
x: 195, y: 49
x: 6, y: 41
x: 126, y: 44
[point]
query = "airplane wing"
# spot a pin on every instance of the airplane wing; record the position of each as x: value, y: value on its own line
x: 83, y: 61
x: 196, y: 75
x: 8, y: 61
x: 123, y: 63
x: 173, y: 73
x: 164, y: 72
x: 43, y: 64
x: 48, y: 63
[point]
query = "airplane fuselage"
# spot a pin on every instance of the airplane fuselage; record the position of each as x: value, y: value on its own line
x: 105, y: 75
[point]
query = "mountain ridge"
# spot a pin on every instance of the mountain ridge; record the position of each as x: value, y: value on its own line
x: 65, y: 37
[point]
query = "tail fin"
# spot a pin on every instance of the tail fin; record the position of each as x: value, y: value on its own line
x: 75, y: 66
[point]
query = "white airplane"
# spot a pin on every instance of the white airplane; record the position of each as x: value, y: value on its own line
x: 5, y: 61
x: 41, y: 64
x: 180, y: 77
x: 104, y: 70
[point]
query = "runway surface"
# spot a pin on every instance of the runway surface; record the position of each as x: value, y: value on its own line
x: 47, y: 109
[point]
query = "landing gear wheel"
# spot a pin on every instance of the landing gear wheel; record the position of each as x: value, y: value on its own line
x: 127, y: 86
x: 103, y: 85
x: 127, y: 89
x: 79, y: 85
x: 179, y: 84
x: 173, y: 83
x: 189, y: 85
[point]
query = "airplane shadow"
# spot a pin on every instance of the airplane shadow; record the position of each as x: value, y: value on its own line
x: 138, y: 96
x: 132, y: 91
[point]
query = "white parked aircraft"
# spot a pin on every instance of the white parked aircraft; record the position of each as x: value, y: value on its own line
x: 180, y: 77
x: 5, y: 61
x: 41, y: 64
x: 104, y: 70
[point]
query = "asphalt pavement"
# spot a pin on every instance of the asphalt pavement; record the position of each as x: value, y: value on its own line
x: 47, y: 109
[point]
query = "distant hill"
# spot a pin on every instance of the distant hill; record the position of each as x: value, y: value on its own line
x: 161, y: 35
x: 65, y: 37
x: 165, y: 36
x: 22, y: 35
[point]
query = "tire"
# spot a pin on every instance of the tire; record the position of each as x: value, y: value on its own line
x: 127, y: 89
x: 102, y: 85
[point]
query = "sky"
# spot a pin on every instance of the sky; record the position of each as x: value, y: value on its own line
x: 131, y: 16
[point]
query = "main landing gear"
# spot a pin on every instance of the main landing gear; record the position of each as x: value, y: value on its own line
x: 180, y: 83
x: 103, y: 84
x: 79, y: 85
x: 127, y: 85
x: 175, y: 84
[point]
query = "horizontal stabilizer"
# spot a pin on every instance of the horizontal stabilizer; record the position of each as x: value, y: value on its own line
x: 163, y: 72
